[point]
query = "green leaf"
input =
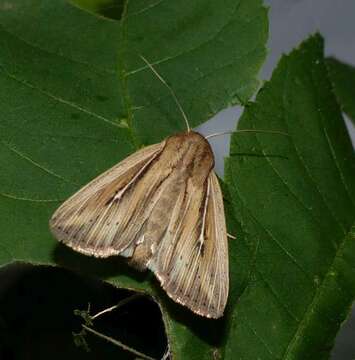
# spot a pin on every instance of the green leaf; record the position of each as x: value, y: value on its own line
x: 75, y: 98
x: 343, y: 80
x: 112, y: 9
x: 295, y: 199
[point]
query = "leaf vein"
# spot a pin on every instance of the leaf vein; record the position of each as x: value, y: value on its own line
x: 59, y: 99
x: 313, y: 304
x: 36, y: 46
x: 330, y: 145
x: 335, y: 159
x: 193, y: 81
x: 147, y: 8
x: 310, y: 178
x: 246, y: 322
x: 269, y: 233
x: 288, y: 188
x: 15, y: 197
x: 197, y: 47
x: 34, y: 163
x: 278, y: 299
x: 123, y: 80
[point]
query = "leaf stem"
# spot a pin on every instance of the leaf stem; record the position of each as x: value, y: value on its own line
x: 118, y: 305
x: 118, y: 343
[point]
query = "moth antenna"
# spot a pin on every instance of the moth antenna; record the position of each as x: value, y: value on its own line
x: 231, y: 236
x: 171, y: 91
x: 246, y: 130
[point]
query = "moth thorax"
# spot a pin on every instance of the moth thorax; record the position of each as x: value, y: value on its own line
x: 192, y: 153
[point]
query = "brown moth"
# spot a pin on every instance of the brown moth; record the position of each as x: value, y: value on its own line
x: 162, y: 208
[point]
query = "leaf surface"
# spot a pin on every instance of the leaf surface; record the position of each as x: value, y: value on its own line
x: 295, y: 199
x: 343, y: 79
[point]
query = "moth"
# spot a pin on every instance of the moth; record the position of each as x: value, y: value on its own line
x: 162, y: 208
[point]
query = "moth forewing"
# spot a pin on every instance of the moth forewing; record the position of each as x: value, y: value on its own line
x: 162, y: 208
x: 80, y: 221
